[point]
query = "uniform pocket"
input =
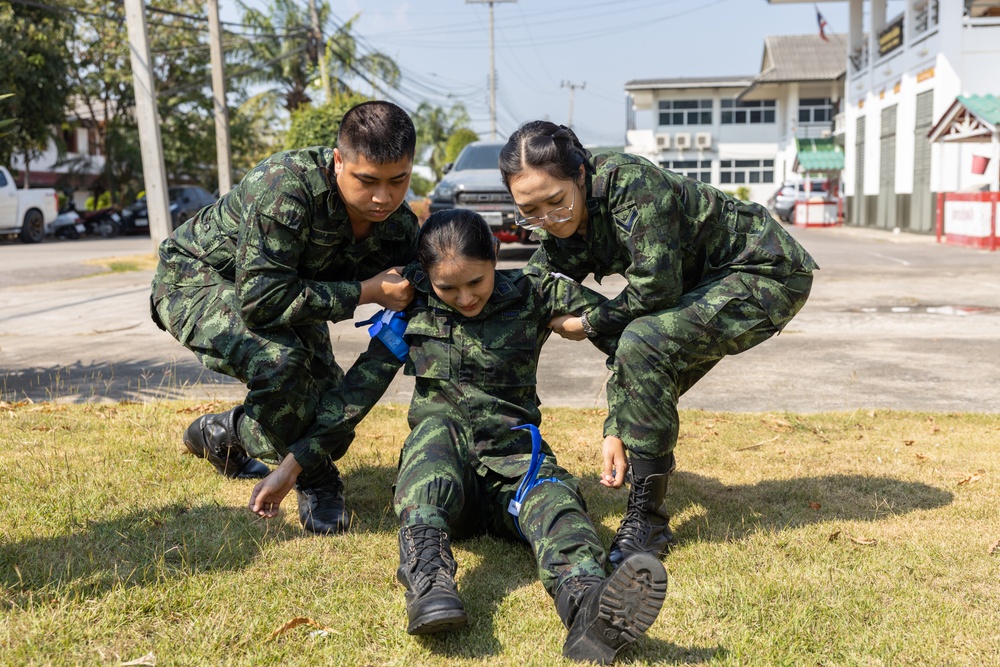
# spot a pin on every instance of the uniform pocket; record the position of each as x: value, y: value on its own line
x: 780, y: 299
x: 509, y: 353
x: 429, y: 337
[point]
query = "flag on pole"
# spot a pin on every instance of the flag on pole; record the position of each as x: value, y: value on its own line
x: 822, y: 25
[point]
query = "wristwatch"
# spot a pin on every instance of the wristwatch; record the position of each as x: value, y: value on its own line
x: 587, y: 329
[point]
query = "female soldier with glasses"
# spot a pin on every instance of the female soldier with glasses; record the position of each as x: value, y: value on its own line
x: 707, y: 275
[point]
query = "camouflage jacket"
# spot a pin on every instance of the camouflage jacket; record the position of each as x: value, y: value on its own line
x: 667, y: 234
x: 282, y: 236
x: 480, y: 371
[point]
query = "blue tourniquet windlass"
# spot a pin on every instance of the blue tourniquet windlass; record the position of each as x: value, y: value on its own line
x: 388, y: 326
x: 530, y: 479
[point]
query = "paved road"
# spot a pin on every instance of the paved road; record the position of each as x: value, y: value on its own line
x: 894, y: 321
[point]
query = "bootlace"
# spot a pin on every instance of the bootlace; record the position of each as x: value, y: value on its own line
x: 428, y: 551
x: 633, y: 525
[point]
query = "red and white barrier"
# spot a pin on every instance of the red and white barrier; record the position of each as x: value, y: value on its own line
x: 819, y: 212
x: 968, y: 218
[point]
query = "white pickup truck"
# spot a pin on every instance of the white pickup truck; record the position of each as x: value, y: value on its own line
x: 27, y: 213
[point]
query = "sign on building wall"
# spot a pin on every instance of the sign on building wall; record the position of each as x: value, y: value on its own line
x: 891, y: 38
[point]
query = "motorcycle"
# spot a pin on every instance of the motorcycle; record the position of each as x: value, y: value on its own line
x: 68, y: 225
x: 105, y: 222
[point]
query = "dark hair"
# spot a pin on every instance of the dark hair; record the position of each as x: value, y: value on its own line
x: 381, y: 132
x: 540, y: 144
x: 454, y: 233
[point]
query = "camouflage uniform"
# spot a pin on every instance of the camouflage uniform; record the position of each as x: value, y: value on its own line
x: 708, y: 275
x: 249, y: 285
x: 475, y: 379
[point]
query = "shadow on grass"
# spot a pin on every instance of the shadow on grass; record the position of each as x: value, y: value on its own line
x: 123, y: 380
x: 143, y: 547
x: 736, y: 512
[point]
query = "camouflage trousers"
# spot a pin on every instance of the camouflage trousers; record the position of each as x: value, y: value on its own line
x: 439, y: 484
x: 662, y: 355
x: 286, y: 371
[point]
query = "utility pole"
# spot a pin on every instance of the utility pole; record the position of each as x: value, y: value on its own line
x: 324, y: 76
x: 493, y: 69
x: 219, y: 98
x: 572, y: 89
x: 150, y: 146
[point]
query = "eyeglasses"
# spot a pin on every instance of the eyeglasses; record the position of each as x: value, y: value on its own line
x: 561, y: 214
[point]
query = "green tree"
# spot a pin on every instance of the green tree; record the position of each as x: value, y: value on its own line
x: 102, y: 92
x: 420, y: 185
x: 34, y: 65
x: 318, y: 125
x: 282, y: 54
x: 435, y: 125
x: 6, y: 121
x: 459, y: 139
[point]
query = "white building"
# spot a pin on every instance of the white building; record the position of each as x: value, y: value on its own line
x: 905, y: 70
x: 741, y: 130
x: 76, y: 166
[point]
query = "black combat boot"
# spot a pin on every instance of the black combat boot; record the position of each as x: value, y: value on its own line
x: 605, y: 615
x: 217, y: 438
x: 645, y: 526
x: 427, y: 569
x: 321, y: 500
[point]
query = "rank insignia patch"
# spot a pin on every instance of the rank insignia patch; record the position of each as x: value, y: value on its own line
x: 626, y: 219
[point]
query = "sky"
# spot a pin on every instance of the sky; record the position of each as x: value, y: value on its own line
x: 543, y: 47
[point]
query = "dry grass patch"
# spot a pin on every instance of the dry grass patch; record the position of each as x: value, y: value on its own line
x: 144, y: 262
x: 866, y: 538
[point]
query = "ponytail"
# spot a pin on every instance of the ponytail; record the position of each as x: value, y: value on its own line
x: 543, y: 145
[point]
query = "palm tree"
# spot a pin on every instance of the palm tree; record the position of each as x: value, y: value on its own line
x: 282, y: 52
x: 434, y: 125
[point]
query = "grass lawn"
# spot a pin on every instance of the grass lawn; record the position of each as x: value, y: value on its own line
x: 865, y: 538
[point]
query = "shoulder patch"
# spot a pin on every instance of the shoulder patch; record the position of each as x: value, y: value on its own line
x: 626, y: 218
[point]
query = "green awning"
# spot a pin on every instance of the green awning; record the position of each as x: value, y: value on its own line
x: 818, y: 155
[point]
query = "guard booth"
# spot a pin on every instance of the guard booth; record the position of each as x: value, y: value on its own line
x: 819, y: 158
x: 968, y: 207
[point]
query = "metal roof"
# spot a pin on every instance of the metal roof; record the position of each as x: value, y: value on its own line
x: 803, y: 58
x: 690, y: 82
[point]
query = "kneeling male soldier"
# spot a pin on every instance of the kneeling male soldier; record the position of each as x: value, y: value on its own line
x: 250, y: 283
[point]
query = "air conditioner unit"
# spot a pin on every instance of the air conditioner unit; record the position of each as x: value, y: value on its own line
x: 703, y: 140
x: 663, y: 141
x: 682, y: 140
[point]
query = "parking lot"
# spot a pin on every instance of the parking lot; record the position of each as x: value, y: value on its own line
x: 894, y: 321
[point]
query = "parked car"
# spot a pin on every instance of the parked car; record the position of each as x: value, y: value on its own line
x: 27, y: 213
x: 184, y: 200
x: 474, y: 182
x: 783, y: 201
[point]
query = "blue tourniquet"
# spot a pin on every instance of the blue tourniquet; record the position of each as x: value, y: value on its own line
x: 388, y: 326
x: 530, y: 479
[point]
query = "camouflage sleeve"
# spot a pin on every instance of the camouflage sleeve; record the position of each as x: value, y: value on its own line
x: 273, y: 234
x: 647, y: 206
x: 561, y: 295
x: 347, y: 404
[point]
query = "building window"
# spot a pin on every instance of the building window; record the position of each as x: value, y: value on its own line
x: 69, y: 139
x: 746, y: 171
x: 700, y: 170
x: 815, y: 110
x: 685, y: 112
x: 735, y: 112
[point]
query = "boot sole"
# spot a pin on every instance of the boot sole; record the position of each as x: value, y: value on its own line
x: 439, y: 621
x: 628, y: 608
